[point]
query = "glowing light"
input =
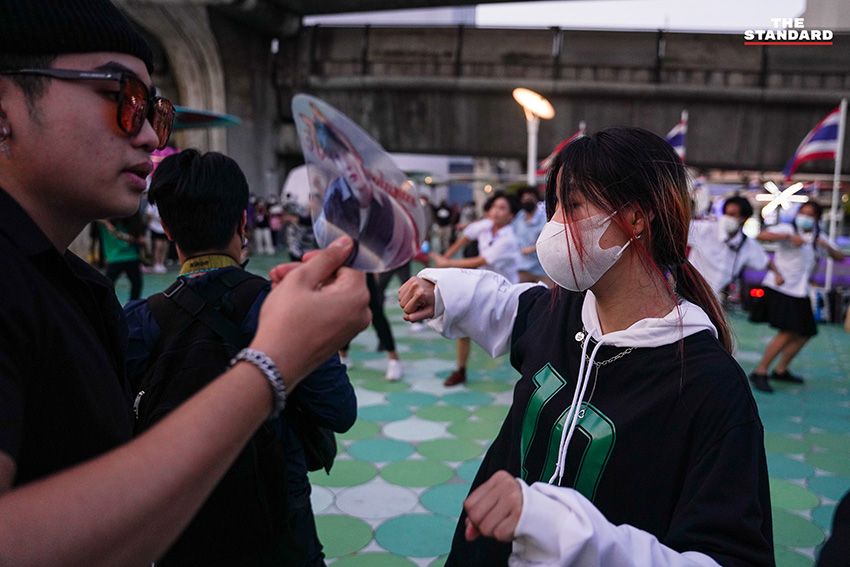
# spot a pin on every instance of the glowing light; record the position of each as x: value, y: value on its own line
x: 779, y: 198
x: 756, y: 292
x: 534, y: 103
x: 429, y: 180
x: 488, y: 188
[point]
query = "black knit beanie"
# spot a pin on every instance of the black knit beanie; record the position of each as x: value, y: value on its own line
x: 57, y: 27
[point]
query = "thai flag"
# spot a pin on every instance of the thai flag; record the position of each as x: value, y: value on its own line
x: 546, y: 163
x: 676, y: 136
x: 820, y: 143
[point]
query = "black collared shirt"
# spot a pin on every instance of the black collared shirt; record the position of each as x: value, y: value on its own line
x: 63, y: 395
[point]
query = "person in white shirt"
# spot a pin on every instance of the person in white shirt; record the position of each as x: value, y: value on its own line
x: 498, y: 251
x: 786, y: 305
x: 720, y: 250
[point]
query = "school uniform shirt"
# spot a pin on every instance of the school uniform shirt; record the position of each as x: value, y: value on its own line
x: 720, y: 258
x: 796, y: 264
x: 501, y: 250
x: 666, y: 465
x: 63, y: 395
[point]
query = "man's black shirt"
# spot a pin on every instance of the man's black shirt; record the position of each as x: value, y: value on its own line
x: 63, y: 395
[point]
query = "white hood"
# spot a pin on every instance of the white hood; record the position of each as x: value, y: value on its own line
x: 688, y: 319
x: 684, y: 320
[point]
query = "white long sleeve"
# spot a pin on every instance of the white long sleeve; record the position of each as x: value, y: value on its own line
x: 559, y: 527
x: 478, y: 304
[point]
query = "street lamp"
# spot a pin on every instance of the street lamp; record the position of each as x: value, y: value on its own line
x: 536, y: 107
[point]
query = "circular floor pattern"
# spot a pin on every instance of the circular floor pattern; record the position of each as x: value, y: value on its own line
x: 823, y: 515
x: 382, y: 385
x: 485, y: 430
x: 376, y: 500
x: 345, y: 472
x: 380, y: 450
x: 361, y: 429
x: 783, y: 467
x: 414, y: 399
x: 791, y: 530
x: 836, y: 463
x: 321, y: 498
x: 443, y: 413
x: 446, y: 500
x: 833, y: 487
x: 493, y: 412
x: 466, y: 399
x: 450, y: 450
x: 415, y: 429
x: 786, y: 427
x: 838, y: 424
x: 789, y: 496
x: 383, y: 413
x: 490, y: 386
x: 775, y: 443
x: 469, y: 469
x: 373, y: 559
x: 417, y: 473
x: 342, y: 535
x: 788, y: 558
x: 831, y: 441
x: 416, y: 535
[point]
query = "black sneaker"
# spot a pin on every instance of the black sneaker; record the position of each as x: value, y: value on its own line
x: 760, y: 382
x: 786, y: 377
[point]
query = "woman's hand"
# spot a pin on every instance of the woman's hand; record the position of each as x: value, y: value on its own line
x: 416, y: 298
x: 494, y: 508
x: 439, y: 260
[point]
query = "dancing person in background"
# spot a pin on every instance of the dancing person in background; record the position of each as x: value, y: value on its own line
x: 720, y: 250
x: 786, y: 305
x: 498, y: 251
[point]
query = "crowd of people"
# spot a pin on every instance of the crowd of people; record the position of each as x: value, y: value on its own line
x: 179, y: 429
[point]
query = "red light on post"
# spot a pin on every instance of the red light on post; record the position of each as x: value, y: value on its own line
x: 756, y: 292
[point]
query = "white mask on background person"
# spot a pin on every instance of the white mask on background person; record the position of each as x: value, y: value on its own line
x: 804, y: 222
x: 727, y: 226
x: 557, y: 248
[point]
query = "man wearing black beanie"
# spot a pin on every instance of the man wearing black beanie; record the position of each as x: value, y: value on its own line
x: 78, y: 121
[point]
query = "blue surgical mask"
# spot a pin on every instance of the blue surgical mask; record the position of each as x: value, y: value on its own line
x: 804, y: 223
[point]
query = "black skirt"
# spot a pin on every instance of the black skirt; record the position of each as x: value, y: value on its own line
x: 786, y: 313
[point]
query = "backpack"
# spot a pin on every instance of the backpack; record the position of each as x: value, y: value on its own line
x: 244, y: 521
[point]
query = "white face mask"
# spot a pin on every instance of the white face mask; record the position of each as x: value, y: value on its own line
x: 727, y: 226
x: 556, y: 250
x: 804, y: 222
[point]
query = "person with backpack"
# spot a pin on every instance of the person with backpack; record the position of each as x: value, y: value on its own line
x: 182, y: 338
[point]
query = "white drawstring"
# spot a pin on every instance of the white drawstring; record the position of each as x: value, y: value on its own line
x: 572, y: 416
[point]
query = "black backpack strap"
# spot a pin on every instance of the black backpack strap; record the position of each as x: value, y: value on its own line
x: 178, y: 307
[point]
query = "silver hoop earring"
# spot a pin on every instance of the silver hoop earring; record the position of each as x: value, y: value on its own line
x: 4, y: 134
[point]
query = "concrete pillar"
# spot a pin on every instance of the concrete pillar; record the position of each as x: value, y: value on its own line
x: 186, y: 36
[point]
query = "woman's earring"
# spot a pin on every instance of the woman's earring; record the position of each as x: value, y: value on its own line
x: 4, y: 133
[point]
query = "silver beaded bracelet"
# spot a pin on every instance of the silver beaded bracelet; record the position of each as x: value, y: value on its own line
x: 269, y: 370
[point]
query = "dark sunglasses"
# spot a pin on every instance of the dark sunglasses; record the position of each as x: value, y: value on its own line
x: 136, y: 103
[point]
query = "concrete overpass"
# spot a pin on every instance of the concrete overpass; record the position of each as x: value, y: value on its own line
x: 446, y: 90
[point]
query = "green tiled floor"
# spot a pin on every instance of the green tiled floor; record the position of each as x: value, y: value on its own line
x: 396, y: 489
